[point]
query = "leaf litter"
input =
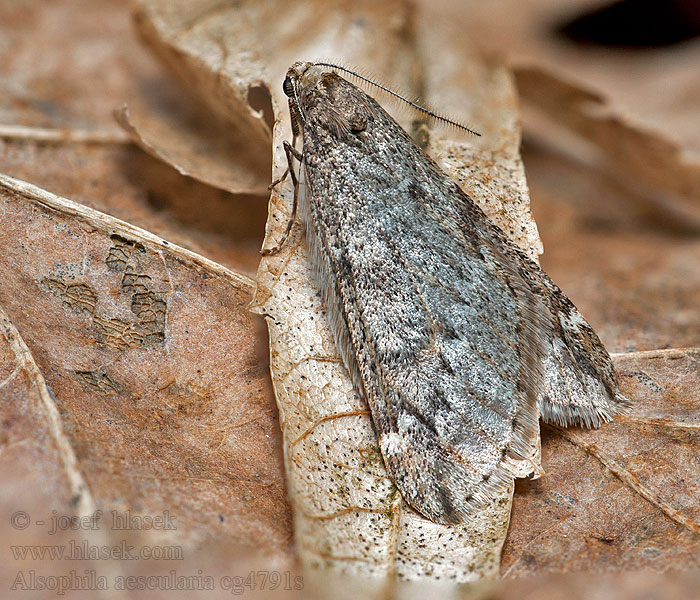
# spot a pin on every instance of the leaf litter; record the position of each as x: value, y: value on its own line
x: 586, y: 554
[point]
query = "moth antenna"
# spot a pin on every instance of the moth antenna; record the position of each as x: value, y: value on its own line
x: 437, y: 116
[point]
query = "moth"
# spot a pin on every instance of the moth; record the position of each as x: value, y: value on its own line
x: 457, y: 340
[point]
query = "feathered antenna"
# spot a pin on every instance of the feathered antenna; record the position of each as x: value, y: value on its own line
x: 438, y: 117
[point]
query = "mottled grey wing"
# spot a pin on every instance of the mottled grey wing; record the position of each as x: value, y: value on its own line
x: 454, y: 336
x: 437, y: 326
x: 580, y: 383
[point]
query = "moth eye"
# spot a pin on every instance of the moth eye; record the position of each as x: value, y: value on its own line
x: 287, y: 87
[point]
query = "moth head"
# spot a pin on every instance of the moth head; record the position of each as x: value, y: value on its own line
x: 321, y: 98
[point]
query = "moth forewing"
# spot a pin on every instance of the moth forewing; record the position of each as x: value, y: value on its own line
x: 454, y: 337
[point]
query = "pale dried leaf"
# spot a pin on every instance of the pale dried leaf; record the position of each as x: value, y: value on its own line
x: 154, y: 362
x: 348, y: 516
x: 209, y: 49
x: 206, y: 45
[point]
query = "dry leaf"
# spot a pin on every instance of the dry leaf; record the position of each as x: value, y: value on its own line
x: 193, y: 39
x: 153, y: 362
x: 124, y: 182
x: 230, y: 59
x: 624, y: 496
x: 195, y: 146
x: 635, y: 585
x: 66, y: 67
x: 640, y: 111
x: 636, y: 282
x: 43, y: 45
x: 37, y: 453
x: 634, y: 278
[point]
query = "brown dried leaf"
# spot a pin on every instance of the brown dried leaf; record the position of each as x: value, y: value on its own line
x: 195, y: 146
x: 664, y: 174
x: 124, y: 182
x: 637, y: 285
x: 36, y: 451
x: 44, y: 46
x: 65, y: 67
x: 641, y: 111
x: 154, y: 362
x: 633, y: 585
x: 36, y: 455
x: 625, y: 496
x: 634, y: 278
x: 220, y: 69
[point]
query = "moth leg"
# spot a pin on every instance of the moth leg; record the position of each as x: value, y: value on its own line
x: 279, y: 180
x: 291, y: 153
